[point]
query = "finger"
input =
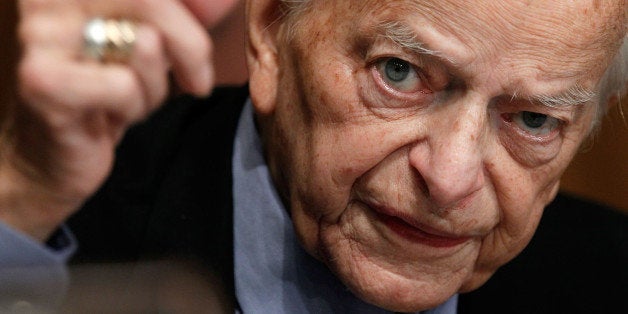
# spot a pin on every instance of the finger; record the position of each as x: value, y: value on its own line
x: 59, y: 24
x: 69, y: 87
x: 151, y: 65
x: 48, y: 26
x: 186, y: 40
x: 47, y: 37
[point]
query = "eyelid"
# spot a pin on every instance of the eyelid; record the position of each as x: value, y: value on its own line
x: 423, y: 71
x: 414, y: 73
x: 435, y: 73
x: 381, y: 95
x: 384, y: 48
x: 513, y: 105
x: 554, y: 124
x: 391, y: 90
x: 528, y: 149
x: 513, y: 127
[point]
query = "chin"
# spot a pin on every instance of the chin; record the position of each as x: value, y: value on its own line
x: 394, y: 292
x: 476, y: 281
x: 400, y: 288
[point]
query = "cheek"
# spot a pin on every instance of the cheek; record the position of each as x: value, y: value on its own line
x: 524, y: 184
x: 336, y: 138
x: 343, y: 140
x: 522, y: 194
x: 332, y: 161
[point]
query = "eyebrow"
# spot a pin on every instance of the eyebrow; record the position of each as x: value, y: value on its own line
x: 406, y: 37
x: 574, y: 96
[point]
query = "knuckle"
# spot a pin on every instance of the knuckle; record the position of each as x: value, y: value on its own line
x: 57, y: 121
x: 127, y: 96
x: 124, y: 85
x: 128, y: 86
x: 149, y: 45
x: 35, y: 82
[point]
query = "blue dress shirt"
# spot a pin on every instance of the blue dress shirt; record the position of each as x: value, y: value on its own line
x: 33, y: 276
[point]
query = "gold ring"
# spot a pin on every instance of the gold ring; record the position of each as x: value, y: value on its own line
x: 109, y: 40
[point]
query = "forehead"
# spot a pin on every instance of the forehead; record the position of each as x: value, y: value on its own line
x: 577, y: 37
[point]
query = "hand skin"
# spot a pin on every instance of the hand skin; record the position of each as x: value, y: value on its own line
x: 414, y: 175
x: 58, y: 141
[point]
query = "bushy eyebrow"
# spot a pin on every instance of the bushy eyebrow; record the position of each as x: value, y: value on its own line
x: 404, y: 36
x: 574, y: 96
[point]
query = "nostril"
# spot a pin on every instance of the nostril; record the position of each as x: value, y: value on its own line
x: 455, y: 195
x: 458, y: 204
x: 420, y: 182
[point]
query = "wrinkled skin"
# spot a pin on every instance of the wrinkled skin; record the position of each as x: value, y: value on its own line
x: 417, y: 177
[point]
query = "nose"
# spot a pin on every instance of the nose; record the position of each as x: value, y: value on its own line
x: 450, y: 158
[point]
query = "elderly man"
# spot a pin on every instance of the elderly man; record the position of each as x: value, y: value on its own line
x: 408, y: 146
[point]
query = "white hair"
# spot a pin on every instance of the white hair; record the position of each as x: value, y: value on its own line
x: 293, y: 8
x: 613, y: 84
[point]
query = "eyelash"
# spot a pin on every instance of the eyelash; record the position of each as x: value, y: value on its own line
x: 396, y: 97
x: 527, y: 147
x: 516, y: 121
x: 391, y: 93
x: 386, y: 66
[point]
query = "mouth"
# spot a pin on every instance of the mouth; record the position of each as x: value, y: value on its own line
x: 415, y: 232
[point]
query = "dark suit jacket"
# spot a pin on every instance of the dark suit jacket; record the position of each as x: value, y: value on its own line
x: 170, y: 196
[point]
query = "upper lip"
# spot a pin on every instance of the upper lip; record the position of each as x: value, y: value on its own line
x: 415, y: 223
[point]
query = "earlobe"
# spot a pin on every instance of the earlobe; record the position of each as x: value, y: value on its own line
x: 263, y: 22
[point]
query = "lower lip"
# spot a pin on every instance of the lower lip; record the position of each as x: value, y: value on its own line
x: 413, y: 234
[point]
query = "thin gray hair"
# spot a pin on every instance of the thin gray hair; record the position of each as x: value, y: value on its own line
x: 291, y: 10
x: 614, y: 82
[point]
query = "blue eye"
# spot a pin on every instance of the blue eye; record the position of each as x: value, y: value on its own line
x: 397, y: 70
x: 533, y: 120
x: 399, y: 74
x: 535, y: 123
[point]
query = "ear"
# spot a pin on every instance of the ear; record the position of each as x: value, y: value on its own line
x: 263, y: 21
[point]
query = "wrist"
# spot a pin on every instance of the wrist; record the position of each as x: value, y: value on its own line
x: 28, y: 206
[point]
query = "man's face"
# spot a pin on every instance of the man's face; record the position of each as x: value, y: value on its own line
x: 416, y: 143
